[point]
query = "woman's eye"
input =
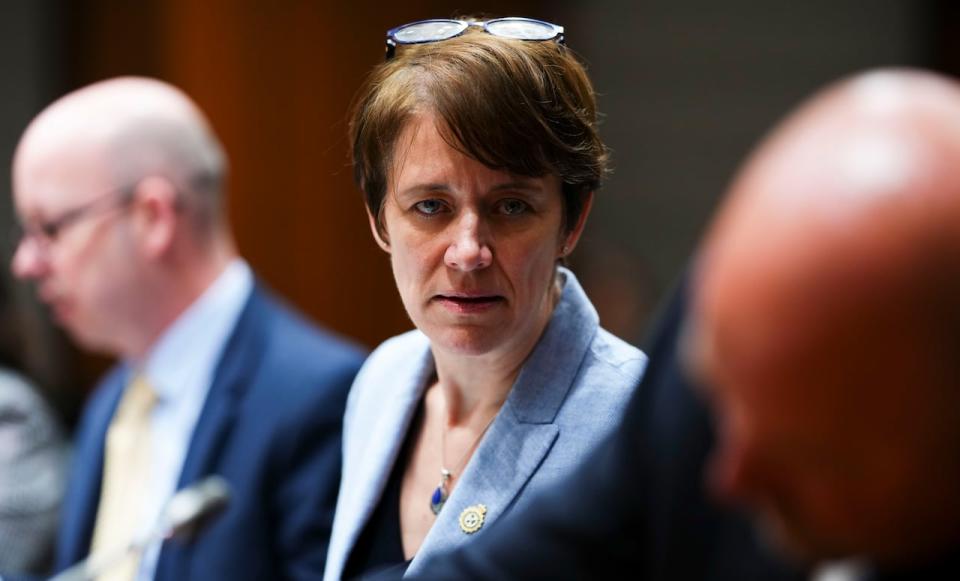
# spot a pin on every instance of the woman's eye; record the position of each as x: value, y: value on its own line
x: 429, y: 207
x: 513, y: 207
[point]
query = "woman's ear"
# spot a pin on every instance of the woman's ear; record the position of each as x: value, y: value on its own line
x: 573, y: 235
x: 378, y: 236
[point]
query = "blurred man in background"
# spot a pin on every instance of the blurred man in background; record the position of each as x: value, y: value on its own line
x: 120, y: 190
x: 826, y: 328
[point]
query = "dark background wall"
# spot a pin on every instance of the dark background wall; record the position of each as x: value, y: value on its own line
x: 686, y: 88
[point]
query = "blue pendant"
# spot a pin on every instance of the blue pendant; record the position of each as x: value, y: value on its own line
x: 437, y: 499
x: 440, y: 494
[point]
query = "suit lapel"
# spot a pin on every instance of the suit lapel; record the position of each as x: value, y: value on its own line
x: 388, y: 432
x: 233, y: 376
x: 230, y: 382
x: 83, y: 494
x: 510, y: 454
x: 524, y: 431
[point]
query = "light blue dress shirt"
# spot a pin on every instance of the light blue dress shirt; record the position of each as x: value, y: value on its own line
x: 180, y: 367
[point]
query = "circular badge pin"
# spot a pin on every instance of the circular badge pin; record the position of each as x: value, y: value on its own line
x: 471, y: 519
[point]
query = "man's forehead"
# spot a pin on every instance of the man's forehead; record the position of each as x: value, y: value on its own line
x: 56, y: 173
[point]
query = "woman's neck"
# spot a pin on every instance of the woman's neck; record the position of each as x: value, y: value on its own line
x: 473, y: 390
x: 474, y: 387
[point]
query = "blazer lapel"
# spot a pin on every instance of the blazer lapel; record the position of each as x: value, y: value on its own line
x: 234, y: 374
x: 510, y: 454
x: 370, y: 465
x: 83, y: 495
x: 524, y: 431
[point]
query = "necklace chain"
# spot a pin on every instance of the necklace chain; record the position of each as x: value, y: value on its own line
x: 441, y: 493
x: 463, y: 458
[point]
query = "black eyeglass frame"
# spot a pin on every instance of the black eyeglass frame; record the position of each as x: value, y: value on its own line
x: 393, y: 42
x: 46, y: 232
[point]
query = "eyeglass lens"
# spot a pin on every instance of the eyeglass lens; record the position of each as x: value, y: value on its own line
x: 47, y: 231
x: 521, y: 29
x: 428, y: 31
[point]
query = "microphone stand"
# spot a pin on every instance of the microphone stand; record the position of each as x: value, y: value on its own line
x: 183, y: 516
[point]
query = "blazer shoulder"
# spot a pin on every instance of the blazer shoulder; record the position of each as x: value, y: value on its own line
x: 398, y: 349
x: 289, y: 335
x: 393, y: 360
x: 393, y: 372
x: 295, y: 371
x: 610, y: 373
x: 613, y: 353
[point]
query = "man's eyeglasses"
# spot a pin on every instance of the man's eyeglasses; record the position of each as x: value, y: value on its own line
x: 435, y: 30
x: 46, y: 232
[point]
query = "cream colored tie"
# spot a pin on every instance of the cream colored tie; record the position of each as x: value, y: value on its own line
x: 126, y: 473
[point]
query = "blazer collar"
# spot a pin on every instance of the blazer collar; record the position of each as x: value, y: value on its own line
x: 549, y: 372
x: 524, y: 431
x: 83, y: 495
x: 236, y: 370
x: 367, y: 469
x: 231, y: 379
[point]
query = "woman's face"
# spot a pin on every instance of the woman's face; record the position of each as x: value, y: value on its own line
x: 473, y: 249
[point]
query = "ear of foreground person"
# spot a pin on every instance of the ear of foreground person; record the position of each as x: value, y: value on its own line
x: 636, y: 508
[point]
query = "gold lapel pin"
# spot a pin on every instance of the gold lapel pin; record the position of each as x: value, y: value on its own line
x: 471, y: 519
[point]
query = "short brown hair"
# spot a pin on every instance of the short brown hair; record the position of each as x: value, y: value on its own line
x: 526, y: 107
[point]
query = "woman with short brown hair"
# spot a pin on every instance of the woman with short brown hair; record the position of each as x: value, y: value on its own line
x: 477, y: 151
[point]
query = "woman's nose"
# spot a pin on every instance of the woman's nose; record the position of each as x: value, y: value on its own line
x: 469, y: 248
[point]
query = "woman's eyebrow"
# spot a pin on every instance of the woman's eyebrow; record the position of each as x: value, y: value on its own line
x: 524, y: 185
x: 424, y: 188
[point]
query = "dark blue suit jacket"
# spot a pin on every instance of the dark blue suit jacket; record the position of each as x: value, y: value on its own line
x: 271, y: 426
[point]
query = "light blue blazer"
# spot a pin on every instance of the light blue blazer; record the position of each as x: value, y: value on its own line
x: 569, y: 395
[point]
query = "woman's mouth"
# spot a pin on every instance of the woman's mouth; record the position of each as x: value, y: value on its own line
x: 469, y: 304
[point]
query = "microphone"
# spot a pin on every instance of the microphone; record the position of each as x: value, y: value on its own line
x: 192, y: 508
x: 185, y: 514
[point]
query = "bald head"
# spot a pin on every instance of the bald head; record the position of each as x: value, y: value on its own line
x: 128, y: 129
x: 870, y: 162
x: 825, y: 323
x: 118, y: 186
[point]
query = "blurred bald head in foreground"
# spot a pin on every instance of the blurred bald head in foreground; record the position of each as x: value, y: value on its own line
x: 119, y: 188
x: 826, y: 324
